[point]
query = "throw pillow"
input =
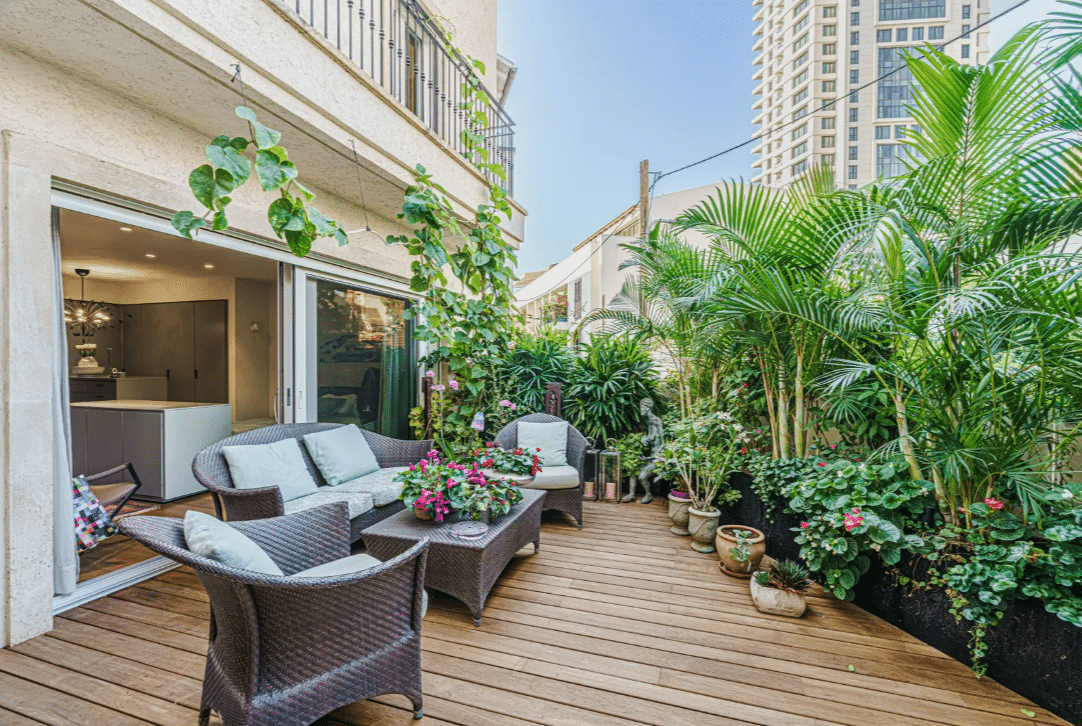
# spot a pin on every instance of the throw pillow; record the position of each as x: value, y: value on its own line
x: 550, y: 438
x: 341, y: 454
x: 280, y: 464
x: 92, y: 523
x: 214, y: 539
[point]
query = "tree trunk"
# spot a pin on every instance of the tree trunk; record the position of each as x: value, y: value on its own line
x: 799, y: 414
x: 783, y: 415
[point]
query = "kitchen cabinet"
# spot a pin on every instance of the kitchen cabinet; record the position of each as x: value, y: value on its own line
x: 146, y: 388
x: 185, y: 342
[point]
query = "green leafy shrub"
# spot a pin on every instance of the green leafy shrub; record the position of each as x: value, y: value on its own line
x: 521, y: 372
x: 606, y: 385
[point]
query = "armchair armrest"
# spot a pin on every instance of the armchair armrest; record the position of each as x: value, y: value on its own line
x: 397, y: 452
x: 245, y: 504
x: 302, y: 540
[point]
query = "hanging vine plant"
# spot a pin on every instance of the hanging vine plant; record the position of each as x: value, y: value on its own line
x: 291, y: 215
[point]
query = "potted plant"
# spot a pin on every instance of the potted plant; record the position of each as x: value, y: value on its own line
x: 781, y: 589
x: 433, y: 489
x: 515, y: 461
x: 679, y: 504
x: 703, y: 457
x: 740, y: 549
x: 491, y: 500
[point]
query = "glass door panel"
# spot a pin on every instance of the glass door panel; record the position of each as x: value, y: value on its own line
x: 361, y: 367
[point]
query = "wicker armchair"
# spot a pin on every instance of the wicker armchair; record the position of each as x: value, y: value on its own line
x: 212, y: 471
x: 286, y: 651
x: 562, y: 500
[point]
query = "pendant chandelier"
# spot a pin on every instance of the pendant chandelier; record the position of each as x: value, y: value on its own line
x: 83, y: 317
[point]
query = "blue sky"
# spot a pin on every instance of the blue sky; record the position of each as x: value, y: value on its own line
x: 603, y: 84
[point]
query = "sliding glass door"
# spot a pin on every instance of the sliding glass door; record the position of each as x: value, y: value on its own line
x: 359, y: 358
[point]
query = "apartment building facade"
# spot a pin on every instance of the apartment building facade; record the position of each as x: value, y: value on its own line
x: 107, y: 107
x: 815, y: 56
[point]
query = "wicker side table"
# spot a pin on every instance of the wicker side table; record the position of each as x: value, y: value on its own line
x: 466, y: 569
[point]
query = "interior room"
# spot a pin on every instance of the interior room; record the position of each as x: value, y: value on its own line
x: 172, y: 345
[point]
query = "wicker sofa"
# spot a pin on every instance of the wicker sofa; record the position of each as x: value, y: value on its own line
x: 393, y: 455
x: 285, y: 650
x: 566, y: 499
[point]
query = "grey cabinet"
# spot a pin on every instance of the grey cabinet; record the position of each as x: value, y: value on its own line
x: 184, y: 341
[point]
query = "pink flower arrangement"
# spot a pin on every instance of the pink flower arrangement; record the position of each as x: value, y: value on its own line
x: 453, y: 384
x: 430, y: 374
x: 994, y: 504
x: 506, y: 404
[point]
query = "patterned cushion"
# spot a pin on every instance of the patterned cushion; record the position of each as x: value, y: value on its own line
x: 555, y: 477
x: 359, y: 502
x: 92, y: 522
x: 380, y: 484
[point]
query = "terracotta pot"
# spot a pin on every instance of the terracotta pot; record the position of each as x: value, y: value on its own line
x: 725, y: 540
x: 772, y: 601
x: 702, y: 526
x: 678, y: 513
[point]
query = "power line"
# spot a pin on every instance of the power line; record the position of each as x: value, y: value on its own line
x: 827, y: 105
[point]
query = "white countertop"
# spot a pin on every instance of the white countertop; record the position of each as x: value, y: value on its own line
x: 136, y: 405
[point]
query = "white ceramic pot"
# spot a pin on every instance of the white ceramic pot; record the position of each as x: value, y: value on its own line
x: 772, y: 601
x: 703, y: 526
x: 678, y: 513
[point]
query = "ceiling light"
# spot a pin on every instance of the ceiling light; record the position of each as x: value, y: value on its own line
x: 151, y: 256
x: 209, y: 267
x: 125, y: 229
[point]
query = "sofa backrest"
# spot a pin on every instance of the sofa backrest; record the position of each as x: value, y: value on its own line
x: 212, y: 470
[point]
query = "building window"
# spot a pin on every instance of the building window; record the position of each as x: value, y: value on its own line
x: 854, y: 3
x: 853, y: 153
x: 800, y: 78
x: 896, y: 89
x: 853, y: 97
x: 800, y: 42
x: 413, y: 73
x: 854, y: 57
x: 799, y: 131
x: 826, y: 123
x: 826, y: 142
x: 800, y: 60
x: 828, y: 48
x: 889, y: 160
x: 882, y: 132
x: 854, y: 77
x: 915, y: 128
x: 830, y: 86
x: 854, y: 38
x: 900, y: 131
x: 918, y: 33
x: 935, y: 32
x: 827, y: 159
x: 800, y: 167
x: 854, y: 115
x: 852, y: 171
x: 800, y: 96
x: 965, y: 12
x: 882, y: 36
x: 830, y: 31
x: 854, y: 19
x: 801, y: 24
x: 832, y: 12
x: 912, y: 9
x: 798, y: 149
x: 965, y: 51
x: 901, y: 35
x: 853, y: 134
x: 829, y: 67
x: 800, y: 7
x: 965, y: 31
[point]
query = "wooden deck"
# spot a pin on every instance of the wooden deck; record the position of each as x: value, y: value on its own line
x: 617, y: 625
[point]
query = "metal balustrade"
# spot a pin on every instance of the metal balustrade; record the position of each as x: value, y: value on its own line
x: 400, y: 47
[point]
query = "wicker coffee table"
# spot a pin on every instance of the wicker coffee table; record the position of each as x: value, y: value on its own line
x: 463, y: 568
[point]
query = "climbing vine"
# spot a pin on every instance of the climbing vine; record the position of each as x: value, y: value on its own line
x: 291, y: 215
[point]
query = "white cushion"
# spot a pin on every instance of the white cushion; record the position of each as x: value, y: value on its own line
x: 211, y: 538
x: 550, y: 438
x: 343, y: 566
x: 341, y: 454
x: 280, y: 464
x: 555, y: 477
x: 359, y: 502
x: 380, y: 484
x: 348, y: 566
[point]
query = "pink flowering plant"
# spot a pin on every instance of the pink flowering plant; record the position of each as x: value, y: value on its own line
x: 507, y: 461
x: 495, y: 496
x: 437, y: 488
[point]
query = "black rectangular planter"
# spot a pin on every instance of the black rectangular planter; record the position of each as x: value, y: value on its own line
x: 1032, y: 651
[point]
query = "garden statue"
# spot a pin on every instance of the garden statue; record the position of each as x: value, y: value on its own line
x: 651, y: 441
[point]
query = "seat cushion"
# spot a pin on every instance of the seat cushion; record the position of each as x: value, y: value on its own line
x: 380, y: 484
x: 348, y: 566
x: 549, y: 440
x: 555, y: 477
x: 280, y: 464
x: 359, y: 502
x: 216, y: 540
x: 341, y: 454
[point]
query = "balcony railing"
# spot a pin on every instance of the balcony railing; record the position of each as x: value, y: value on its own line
x: 399, y: 46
